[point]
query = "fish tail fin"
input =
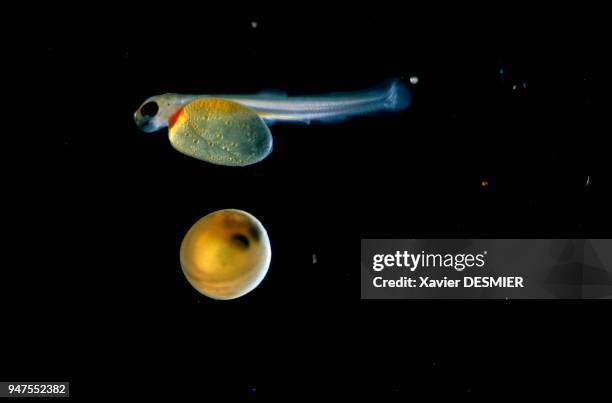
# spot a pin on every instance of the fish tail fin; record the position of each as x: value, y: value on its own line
x: 398, y: 96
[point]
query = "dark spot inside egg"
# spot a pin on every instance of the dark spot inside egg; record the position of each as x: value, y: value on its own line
x: 241, y: 241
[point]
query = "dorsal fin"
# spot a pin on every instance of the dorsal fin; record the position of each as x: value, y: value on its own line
x: 273, y: 93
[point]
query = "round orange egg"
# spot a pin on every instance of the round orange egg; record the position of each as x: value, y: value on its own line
x: 226, y: 254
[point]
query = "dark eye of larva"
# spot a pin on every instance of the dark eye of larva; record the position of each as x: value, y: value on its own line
x: 149, y: 109
x: 241, y: 241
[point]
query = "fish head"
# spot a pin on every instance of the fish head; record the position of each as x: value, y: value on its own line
x: 156, y: 111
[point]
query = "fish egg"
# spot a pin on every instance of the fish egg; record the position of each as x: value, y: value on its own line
x: 225, y: 254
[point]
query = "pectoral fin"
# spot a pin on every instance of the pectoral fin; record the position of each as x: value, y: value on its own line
x: 220, y: 132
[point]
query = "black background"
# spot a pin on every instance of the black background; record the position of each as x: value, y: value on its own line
x: 92, y: 290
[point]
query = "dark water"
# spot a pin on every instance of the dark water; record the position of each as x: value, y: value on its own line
x: 507, y: 125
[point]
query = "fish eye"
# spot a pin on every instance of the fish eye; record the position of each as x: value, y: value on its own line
x: 149, y: 109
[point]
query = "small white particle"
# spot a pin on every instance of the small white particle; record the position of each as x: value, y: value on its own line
x: 414, y: 80
x: 253, y: 24
x: 314, y: 259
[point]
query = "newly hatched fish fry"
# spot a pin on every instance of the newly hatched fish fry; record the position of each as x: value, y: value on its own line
x: 233, y: 129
